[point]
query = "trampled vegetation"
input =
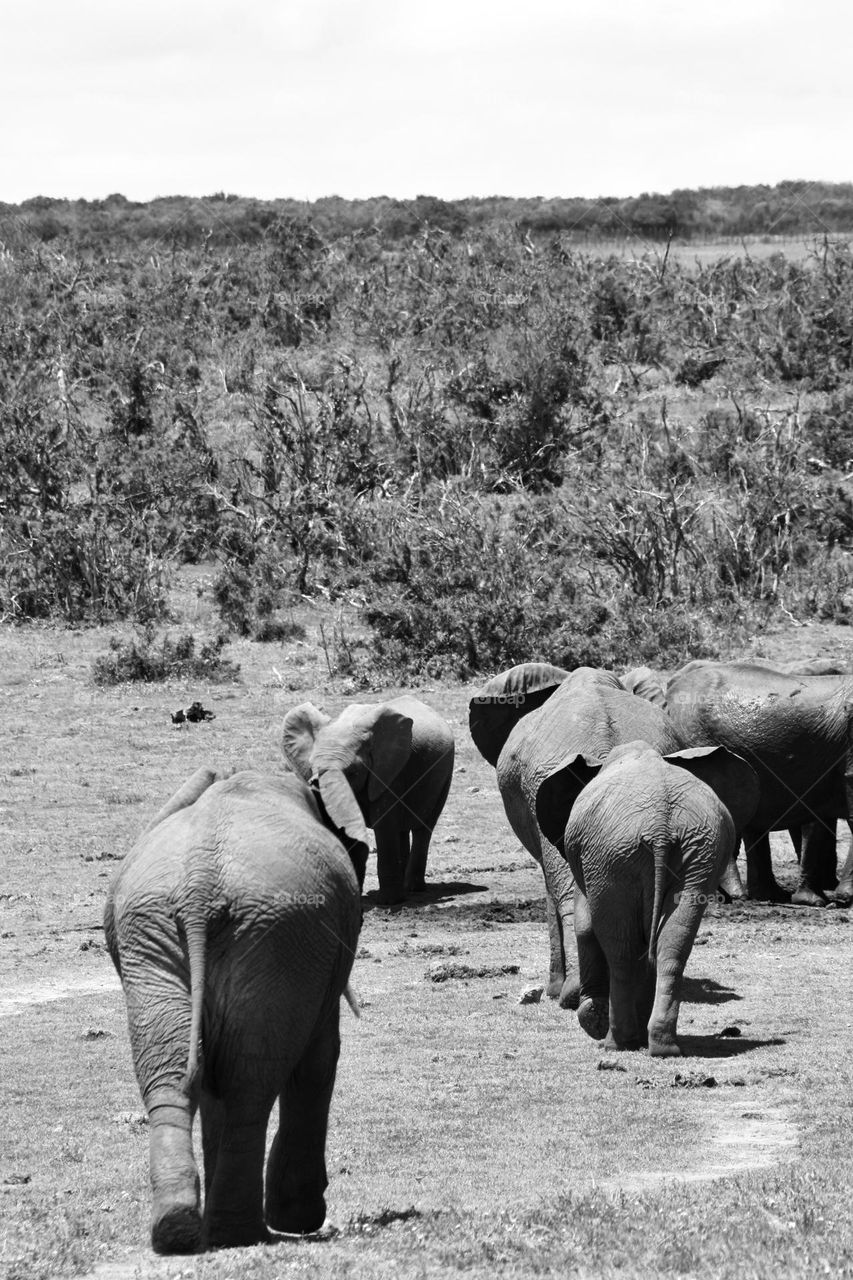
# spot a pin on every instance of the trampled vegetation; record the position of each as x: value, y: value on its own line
x: 499, y: 445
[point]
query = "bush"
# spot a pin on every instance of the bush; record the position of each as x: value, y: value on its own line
x: 146, y: 659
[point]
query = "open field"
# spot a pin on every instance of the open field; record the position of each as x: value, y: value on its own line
x: 469, y: 1133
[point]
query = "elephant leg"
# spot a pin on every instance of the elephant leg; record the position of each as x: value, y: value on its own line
x: 844, y: 890
x: 233, y: 1212
x: 761, y: 883
x: 675, y: 941
x: 159, y: 1024
x: 817, y: 865
x: 390, y: 838
x: 593, y: 972
x: 212, y: 1121
x: 175, y: 1218
x: 731, y: 884
x: 296, y: 1178
x: 415, y: 876
x: 630, y: 981
x: 563, y: 985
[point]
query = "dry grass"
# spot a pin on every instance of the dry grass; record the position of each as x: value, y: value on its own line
x: 469, y: 1133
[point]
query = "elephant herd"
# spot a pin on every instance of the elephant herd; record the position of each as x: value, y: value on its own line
x: 233, y: 922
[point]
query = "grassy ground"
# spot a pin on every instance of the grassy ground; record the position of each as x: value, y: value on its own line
x: 469, y: 1133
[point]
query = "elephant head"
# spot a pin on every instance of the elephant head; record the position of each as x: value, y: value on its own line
x: 497, y: 707
x: 727, y: 774
x: 645, y: 684
x: 350, y: 762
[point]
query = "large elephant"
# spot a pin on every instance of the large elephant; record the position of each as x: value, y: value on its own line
x: 528, y: 722
x: 233, y: 924
x: 396, y: 759
x: 795, y: 732
x: 647, y: 840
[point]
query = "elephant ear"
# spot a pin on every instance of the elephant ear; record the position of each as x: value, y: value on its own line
x: 299, y: 731
x: 643, y: 682
x: 732, y: 779
x: 558, y: 793
x: 497, y: 707
x: 390, y: 748
x: 342, y: 814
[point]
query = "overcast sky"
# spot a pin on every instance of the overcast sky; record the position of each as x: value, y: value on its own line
x: 305, y: 98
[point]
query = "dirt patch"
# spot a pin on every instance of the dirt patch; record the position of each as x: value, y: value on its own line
x: 741, y: 1134
x: 19, y: 999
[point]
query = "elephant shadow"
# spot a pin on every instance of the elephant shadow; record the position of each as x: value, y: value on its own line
x: 706, y: 991
x: 435, y: 892
x: 717, y: 1047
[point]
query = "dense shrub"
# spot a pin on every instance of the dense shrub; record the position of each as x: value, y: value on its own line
x: 500, y: 446
x: 147, y: 659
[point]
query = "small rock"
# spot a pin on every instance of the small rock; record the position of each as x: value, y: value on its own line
x: 608, y: 1064
x: 730, y: 1031
x: 472, y: 791
x: 95, y: 1033
x: 17, y: 1180
x: 531, y: 995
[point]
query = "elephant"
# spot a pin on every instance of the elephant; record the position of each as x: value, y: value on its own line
x: 647, y: 839
x: 795, y: 732
x: 396, y: 759
x: 527, y: 722
x: 233, y: 924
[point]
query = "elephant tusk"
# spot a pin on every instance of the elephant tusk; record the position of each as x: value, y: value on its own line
x: 352, y: 999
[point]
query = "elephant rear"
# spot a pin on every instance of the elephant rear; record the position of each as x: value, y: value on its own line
x: 234, y: 924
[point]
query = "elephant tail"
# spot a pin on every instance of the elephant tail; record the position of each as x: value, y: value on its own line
x: 664, y: 873
x: 195, y: 928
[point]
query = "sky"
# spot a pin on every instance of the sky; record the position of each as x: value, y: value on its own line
x: 452, y: 98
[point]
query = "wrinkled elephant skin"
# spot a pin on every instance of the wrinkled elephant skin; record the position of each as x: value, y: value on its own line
x: 233, y: 924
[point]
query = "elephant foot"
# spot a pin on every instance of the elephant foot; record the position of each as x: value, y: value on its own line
x: 228, y: 1235
x: 298, y: 1217
x: 663, y: 1048
x: 176, y: 1229
x: 594, y: 1016
x: 612, y: 1045
x: 390, y: 897
x: 804, y: 896
x: 570, y: 993
x: 555, y: 984
x: 844, y: 893
x: 767, y: 891
x: 418, y: 886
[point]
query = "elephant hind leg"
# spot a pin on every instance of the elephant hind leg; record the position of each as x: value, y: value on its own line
x: 594, y: 973
x: 233, y: 1213
x: 296, y: 1171
x: 761, y: 883
x: 175, y: 1216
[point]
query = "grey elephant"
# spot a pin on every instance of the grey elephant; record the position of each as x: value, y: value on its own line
x: 388, y: 765
x: 233, y: 924
x: 526, y: 722
x: 647, y: 839
x: 795, y: 731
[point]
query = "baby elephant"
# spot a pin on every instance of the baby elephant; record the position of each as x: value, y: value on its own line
x: 396, y: 758
x: 647, y: 841
x: 233, y: 924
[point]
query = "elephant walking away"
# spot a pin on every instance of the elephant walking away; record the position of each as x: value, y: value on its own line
x: 528, y: 722
x: 386, y: 765
x: 233, y: 924
x: 647, y: 839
